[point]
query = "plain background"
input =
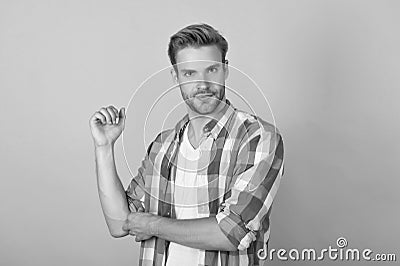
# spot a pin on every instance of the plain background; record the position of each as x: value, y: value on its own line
x: 330, y: 70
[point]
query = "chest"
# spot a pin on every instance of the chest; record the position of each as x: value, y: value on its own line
x: 191, y: 178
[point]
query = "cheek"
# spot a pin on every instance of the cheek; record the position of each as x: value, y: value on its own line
x: 218, y: 82
x: 186, y: 90
x: 218, y: 86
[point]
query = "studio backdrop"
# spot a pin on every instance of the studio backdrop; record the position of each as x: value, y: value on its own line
x: 329, y: 69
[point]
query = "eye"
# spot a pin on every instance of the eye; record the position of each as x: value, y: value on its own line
x: 213, y: 70
x: 188, y: 73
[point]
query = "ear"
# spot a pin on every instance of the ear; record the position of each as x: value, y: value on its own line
x: 174, y: 75
x: 226, y: 69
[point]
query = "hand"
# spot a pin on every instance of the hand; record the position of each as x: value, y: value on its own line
x: 104, y: 125
x: 139, y: 224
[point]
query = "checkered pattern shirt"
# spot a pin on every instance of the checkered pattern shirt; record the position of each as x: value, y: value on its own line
x: 239, y: 184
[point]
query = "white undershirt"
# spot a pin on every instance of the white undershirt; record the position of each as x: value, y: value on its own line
x: 185, y: 197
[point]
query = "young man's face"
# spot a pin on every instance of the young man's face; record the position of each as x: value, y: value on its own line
x: 201, y: 76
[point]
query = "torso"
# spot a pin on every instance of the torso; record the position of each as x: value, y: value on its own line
x: 185, y: 198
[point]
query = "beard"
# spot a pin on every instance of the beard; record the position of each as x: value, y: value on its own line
x: 205, y: 101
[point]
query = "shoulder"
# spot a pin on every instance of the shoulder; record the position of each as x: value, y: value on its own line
x: 166, y: 136
x: 251, y: 126
x: 261, y: 137
x: 159, y: 140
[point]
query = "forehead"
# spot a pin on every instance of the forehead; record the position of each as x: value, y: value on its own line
x: 203, y: 56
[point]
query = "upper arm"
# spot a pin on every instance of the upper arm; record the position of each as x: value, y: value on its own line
x: 135, y: 192
x: 254, y: 185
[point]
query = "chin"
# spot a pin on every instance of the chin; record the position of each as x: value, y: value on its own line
x: 205, y: 108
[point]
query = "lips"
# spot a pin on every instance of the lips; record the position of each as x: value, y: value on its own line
x: 204, y: 94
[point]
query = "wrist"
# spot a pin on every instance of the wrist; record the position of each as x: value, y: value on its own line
x: 104, y: 147
x: 104, y: 151
x: 154, y: 225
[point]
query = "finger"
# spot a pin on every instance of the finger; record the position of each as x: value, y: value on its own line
x: 115, y: 110
x: 99, y: 117
x: 106, y: 114
x: 112, y: 114
x: 121, y: 117
x: 130, y: 217
x: 140, y: 209
x: 127, y: 226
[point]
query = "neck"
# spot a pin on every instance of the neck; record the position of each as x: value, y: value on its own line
x: 198, y: 121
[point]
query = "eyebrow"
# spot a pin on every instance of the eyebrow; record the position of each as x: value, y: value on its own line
x: 193, y: 70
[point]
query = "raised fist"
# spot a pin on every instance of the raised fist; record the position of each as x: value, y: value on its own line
x: 107, y: 125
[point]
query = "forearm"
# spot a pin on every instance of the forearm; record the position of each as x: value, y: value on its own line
x: 111, y: 192
x: 202, y: 233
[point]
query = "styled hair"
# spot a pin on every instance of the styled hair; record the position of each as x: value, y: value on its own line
x: 196, y: 35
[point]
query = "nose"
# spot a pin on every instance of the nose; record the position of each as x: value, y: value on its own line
x: 203, y: 83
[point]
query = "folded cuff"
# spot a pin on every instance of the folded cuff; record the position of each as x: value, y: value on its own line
x: 235, y: 229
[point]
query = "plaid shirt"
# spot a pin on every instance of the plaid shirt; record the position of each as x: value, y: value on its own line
x: 240, y: 182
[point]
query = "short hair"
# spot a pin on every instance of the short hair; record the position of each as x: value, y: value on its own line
x: 196, y: 35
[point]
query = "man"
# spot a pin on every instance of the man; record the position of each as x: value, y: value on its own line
x: 204, y: 191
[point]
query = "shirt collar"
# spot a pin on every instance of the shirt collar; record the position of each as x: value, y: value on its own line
x: 213, y: 127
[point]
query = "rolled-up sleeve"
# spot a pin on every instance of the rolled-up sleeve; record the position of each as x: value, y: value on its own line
x: 255, y: 181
